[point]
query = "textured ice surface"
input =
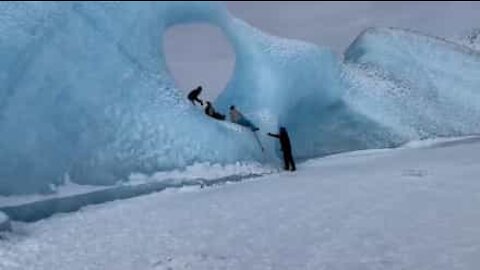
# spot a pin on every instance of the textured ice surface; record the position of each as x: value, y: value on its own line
x: 85, y: 90
x: 394, y: 86
x: 416, y: 85
x: 280, y: 82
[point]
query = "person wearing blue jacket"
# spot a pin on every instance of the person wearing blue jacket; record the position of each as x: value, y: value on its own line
x: 238, y: 118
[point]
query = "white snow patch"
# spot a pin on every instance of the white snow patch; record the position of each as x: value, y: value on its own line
x: 66, y: 190
x: 437, y: 141
x: 204, y: 171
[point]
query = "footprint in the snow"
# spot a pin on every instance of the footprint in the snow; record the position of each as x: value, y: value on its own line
x: 415, y: 173
x: 192, y: 261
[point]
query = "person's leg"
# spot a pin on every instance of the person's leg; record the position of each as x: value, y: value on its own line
x: 244, y: 122
x: 198, y: 100
x: 290, y: 161
x: 285, y: 161
x: 219, y: 116
x: 292, y: 164
x: 251, y: 125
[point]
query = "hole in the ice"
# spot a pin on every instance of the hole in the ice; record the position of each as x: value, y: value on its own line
x: 199, y: 54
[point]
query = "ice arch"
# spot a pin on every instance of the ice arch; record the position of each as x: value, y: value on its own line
x: 199, y: 54
x: 277, y: 81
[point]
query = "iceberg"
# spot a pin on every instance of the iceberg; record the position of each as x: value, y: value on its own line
x: 86, y: 94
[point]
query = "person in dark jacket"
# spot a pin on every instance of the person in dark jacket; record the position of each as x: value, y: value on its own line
x: 286, y: 148
x: 210, y: 111
x: 193, y: 96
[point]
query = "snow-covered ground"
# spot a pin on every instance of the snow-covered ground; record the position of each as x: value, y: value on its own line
x: 202, y: 171
x: 410, y: 208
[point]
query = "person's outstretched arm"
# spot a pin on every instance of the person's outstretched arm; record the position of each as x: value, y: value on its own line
x: 273, y: 135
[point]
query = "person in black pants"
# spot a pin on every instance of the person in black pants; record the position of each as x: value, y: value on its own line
x: 210, y: 111
x: 193, y: 95
x: 286, y: 148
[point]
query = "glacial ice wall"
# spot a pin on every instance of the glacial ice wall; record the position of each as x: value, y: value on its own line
x: 394, y: 86
x: 416, y: 85
x: 85, y: 91
x: 279, y: 82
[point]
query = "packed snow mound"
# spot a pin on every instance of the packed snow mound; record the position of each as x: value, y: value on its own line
x: 417, y: 86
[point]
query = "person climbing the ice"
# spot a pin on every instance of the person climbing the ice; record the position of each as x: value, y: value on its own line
x: 238, y: 118
x: 210, y: 111
x: 286, y: 148
x: 193, y: 96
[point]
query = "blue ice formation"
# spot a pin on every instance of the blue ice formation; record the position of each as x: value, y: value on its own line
x: 393, y: 86
x: 416, y: 85
x: 85, y: 91
x: 280, y: 82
